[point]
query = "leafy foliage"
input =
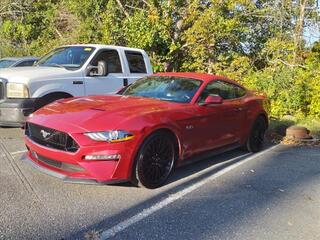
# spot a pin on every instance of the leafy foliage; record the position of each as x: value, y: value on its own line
x: 259, y: 43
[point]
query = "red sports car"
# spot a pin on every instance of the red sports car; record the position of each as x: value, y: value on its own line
x: 145, y: 130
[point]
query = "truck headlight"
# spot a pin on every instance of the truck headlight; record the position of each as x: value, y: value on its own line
x: 110, y: 136
x: 17, y: 90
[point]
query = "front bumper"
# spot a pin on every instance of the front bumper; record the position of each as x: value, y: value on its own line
x: 71, y: 167
x: 64, y: 177
x: 13, y: 112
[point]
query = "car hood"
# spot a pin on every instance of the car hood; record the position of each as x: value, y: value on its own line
x: 96, y: 113
x: 34, y: 73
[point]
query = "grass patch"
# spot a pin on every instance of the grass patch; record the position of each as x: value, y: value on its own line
x: 279, y: 126
x: 312, y: 124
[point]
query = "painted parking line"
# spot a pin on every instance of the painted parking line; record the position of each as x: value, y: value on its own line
x: 14, y: 153
x: 111, y: 232
x: 18, y: 152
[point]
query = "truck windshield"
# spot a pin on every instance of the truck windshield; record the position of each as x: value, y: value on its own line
x: 6, y: 63
x: 67, y: 57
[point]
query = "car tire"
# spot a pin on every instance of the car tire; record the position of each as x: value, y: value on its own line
x: 257, y: 134
x: 155, y: 161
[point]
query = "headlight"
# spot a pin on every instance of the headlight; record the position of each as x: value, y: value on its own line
x: 17, y: 90
x: 110, y: 136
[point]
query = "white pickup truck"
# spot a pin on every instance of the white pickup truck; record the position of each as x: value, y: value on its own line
x: 68, y: 71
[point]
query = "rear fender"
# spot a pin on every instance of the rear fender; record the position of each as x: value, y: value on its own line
x: 257, y: 105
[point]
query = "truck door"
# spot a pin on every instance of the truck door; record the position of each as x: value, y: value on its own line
x: 113, y: 81
x: 137, y: 67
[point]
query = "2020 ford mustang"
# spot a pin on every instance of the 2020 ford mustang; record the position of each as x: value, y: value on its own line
x: 148, y: 128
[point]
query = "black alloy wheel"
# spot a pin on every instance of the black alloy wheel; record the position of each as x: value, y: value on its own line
x: 257, y: 135
x: 155, y: 160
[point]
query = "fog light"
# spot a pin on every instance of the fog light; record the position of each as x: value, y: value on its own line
x: 27, y: 112
x: 102, y: 157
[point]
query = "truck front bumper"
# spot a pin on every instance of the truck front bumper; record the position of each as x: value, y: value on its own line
x: 13, y: 112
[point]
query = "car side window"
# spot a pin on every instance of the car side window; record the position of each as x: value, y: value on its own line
x: 112, y: 59
x: 227, y: 90
x: 233, y: 91
x: 240, y: 92
x: 223, y: 89
x: 136, y: 62
x: 26, y: 63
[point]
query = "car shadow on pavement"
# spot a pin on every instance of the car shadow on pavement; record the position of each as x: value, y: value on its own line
x: 269, y: 176
x: 194, y: 167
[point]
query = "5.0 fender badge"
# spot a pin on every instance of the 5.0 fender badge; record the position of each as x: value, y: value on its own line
x: 189, y: 127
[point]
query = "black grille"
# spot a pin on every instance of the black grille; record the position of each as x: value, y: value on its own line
x: 1, y: 90
x: 57, y: 164
x: 51, y: 138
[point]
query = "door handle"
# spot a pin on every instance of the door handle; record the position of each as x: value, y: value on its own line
x: 238, y: 109
x: 77, y: 82
x: 125, y: 82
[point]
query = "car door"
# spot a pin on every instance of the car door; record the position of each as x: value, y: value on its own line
x: 113, y: 81
x: 237, y: 110
x: 221, y: 123
x: 202, y: 130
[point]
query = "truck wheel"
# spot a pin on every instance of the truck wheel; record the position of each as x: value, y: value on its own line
x: 45, y: 100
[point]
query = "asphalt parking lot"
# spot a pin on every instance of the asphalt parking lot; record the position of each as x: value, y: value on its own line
x: 271, y: 195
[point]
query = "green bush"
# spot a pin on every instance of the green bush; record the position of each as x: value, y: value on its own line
x: 232, y: 38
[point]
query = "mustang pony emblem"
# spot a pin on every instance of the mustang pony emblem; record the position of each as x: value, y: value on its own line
x: 45, y: 134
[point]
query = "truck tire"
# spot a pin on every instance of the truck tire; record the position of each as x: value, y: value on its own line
x: 45, y: 100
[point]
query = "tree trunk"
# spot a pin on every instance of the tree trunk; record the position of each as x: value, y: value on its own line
x: 299, y: 29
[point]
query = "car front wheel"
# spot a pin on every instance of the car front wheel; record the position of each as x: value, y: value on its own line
x: 155, y: 160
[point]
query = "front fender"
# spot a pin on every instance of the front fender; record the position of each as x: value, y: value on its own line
x: 144, y: 128
x: 43, y: 89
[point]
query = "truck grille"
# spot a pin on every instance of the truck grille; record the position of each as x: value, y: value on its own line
x: 50, y: 138
x: 1, y: 90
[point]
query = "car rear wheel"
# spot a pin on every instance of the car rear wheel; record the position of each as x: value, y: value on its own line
x: 256, y: 138
x: 155, y: 161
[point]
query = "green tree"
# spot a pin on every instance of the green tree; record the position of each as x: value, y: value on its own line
x: 259, y: 43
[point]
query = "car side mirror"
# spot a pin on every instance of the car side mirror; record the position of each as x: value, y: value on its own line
x: 213, y: 99
x: 96, y: 71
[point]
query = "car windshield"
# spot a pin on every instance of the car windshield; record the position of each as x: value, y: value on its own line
x: 173, y: 89
x: 67, y: 57
x: 6, y: 63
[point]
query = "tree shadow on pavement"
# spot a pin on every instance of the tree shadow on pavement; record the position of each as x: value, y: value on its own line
x: 272, y: 174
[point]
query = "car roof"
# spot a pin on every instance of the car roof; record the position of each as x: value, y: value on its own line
x: 200, y: 76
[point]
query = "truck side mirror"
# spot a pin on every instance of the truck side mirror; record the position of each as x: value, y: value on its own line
x: 100, y: 70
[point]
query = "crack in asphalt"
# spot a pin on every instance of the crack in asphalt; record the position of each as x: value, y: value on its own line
x: 23, y: 180
x: 17, y: 171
